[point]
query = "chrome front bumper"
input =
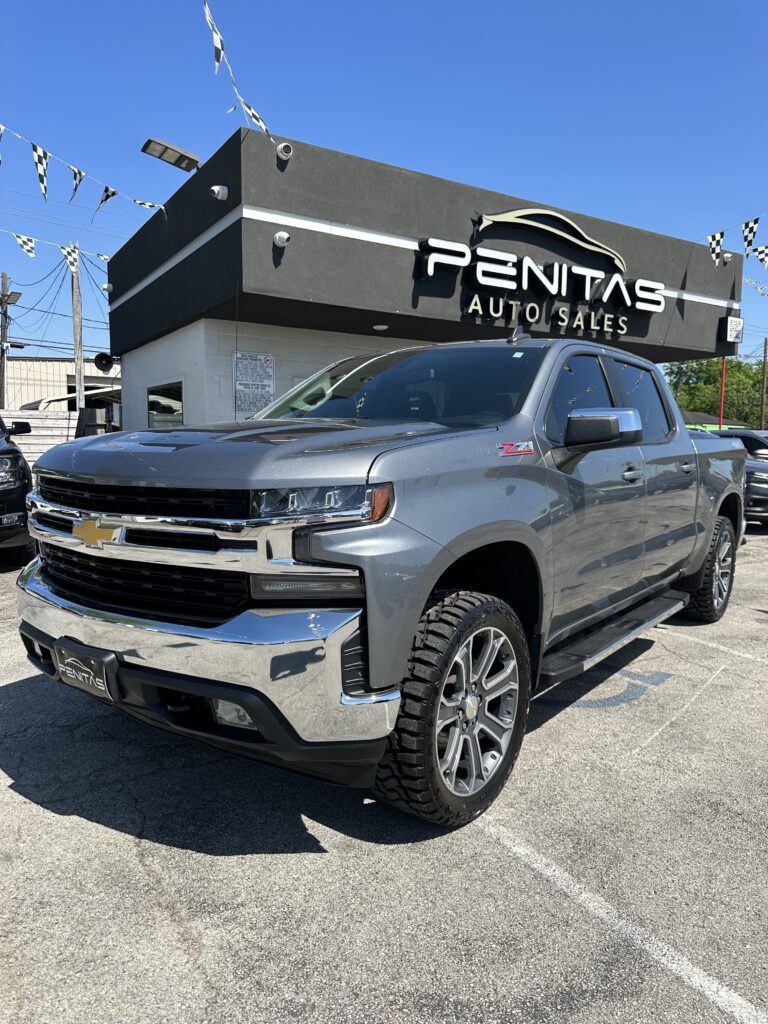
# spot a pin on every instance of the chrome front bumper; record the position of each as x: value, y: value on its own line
x: 293, y: 658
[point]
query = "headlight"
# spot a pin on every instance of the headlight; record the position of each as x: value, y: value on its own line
x: 324, y: 504
x: 10, y: 471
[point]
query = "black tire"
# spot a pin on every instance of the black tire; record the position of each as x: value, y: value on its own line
x: 704, y: 605
x: 409, y: 775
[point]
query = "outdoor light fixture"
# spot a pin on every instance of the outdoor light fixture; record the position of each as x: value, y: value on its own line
x: 180, y: 158
x: 381, y: 327
x: 11, y: 298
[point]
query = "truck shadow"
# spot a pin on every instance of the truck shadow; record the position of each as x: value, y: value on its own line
x: 72, y: 756
x: 576, y: 692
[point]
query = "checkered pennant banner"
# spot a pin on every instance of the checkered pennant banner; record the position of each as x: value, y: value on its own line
x: 77, y: 177
x: 103, y: 257
x: 253, y: 115
x: 147, y: 206
x: 106, y: 195
x: 762, y: 254
x: 2, y: 129
x: 716, y: 246
x: 71, y: 255
x: 218, y: 42
x: 749, y: 230
x: 41, y: 165
x: 26, y: 243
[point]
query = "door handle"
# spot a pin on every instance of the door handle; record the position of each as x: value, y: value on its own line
x: 688, y: 467
x: 631, y: 474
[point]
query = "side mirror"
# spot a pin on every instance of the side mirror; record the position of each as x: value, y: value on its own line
x: 603, y: 428
x: 760, y: 453
x: 19, y: 427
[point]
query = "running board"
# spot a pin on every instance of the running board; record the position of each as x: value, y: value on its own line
x: 588, y: 649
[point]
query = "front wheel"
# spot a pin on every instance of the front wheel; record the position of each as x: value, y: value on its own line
x: 709, y: 602
x: 463, y: 713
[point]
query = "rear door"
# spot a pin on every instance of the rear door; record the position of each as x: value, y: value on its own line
x: 597, y: 502
x: 671, y: 477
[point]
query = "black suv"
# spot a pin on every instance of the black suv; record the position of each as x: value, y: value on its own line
x: 15, y: 482
x: 755, y: 441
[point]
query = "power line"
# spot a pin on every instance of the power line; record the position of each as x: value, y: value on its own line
x: 76, y: 206
x: 31, y: 284
x: 69, y: 317
x: 60, y: 222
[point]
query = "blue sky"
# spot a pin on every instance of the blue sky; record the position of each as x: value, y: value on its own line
x: 651, y: 114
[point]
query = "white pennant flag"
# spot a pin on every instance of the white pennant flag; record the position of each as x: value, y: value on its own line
x: 749, y: 230
x: 106, y: 195
x: 77, y: 177
x: 26, y: 243
x: 253, y: 115
x: 41, y: 166
x: 71, y: 255
x: 218, y: 42
x: 716, y: 245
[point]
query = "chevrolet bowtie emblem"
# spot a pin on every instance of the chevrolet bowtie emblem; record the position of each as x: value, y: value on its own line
x: 93, y: 535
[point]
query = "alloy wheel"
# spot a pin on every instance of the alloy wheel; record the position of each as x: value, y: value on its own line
x: 723, y: 572
x: 477, y: 710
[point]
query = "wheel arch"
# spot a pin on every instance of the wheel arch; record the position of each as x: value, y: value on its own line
x: 731, y: 508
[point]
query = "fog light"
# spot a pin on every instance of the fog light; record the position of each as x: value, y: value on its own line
x: 227, y: 713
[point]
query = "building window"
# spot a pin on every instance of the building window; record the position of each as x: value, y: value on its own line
x: 165, y: 405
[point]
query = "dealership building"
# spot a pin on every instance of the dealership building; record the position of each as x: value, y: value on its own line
x: 262, y: 269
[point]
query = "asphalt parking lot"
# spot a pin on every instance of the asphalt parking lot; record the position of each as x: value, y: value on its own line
x: 622, y: 876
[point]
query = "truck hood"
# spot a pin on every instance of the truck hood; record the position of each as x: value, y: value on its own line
x: 260, y: 453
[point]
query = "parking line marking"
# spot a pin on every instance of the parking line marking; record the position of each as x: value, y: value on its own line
x: 718, y: 994
x: 717, y: 647
x: 678, y: 713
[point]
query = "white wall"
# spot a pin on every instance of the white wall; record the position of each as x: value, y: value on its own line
x: 201, y: 356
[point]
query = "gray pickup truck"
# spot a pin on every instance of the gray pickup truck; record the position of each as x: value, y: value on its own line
x: 369, y: 581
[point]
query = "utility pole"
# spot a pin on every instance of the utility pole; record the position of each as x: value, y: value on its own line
x: 77, y: 333
x: 6, y: 299
x: 765, y: 382
x: 722, y: 391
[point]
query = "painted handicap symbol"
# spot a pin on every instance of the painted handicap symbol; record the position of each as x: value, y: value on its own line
x: 636, y: 687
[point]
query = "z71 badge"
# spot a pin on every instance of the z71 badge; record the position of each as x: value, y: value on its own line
x: 506, y: 448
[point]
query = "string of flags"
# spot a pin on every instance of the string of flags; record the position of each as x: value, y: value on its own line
x: 27, y: 245
x: 760, y: 288
x: 219, y: 58
x: 749, y: 233
x: 42, y: 157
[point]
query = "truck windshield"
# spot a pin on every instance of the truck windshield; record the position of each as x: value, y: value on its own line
x: 459, y: 387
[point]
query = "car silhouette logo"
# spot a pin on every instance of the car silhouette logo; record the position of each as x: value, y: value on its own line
x: 555, y: 224
x: 76, y: 671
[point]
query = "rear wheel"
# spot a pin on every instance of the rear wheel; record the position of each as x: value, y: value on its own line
x: 710, y: 601
x: 463, y: 712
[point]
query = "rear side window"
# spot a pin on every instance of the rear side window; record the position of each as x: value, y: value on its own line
x: 638, y: 390
x: 581, y: 384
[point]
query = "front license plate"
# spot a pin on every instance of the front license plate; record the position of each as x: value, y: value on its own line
x: 83, y: 671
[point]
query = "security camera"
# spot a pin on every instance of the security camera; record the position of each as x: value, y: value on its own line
x: 727, y: 257
x: 220, y: 192
x: 107, y: 288
x: 284, y: 151
x: 281, y: 239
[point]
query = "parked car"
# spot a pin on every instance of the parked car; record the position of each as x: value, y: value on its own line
x: 755, y: 441
x: 367, y: 582
x: 756, y: 491
x: 15, y: 482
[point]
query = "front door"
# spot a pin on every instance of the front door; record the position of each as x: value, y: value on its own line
x: 597, y: 504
